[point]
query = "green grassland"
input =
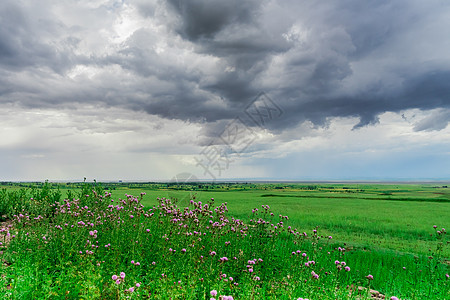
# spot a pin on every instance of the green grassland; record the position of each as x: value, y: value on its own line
x: 397, y: 217
x: 387, y: 231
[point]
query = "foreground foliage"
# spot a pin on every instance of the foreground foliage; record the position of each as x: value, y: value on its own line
x: 91, y: 246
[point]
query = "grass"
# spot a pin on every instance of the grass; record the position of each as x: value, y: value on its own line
x: 181, y: 249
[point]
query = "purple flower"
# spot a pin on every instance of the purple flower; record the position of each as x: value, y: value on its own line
x: 138, y: 284
x: 370, y: 277
x: 114, y: 277
x: 213, y: 293
x: 122, y: 275
x: 347, y: 268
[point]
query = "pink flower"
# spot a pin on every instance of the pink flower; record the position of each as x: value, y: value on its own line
x: 114, y: 277
x: 122, y: 275
x: 138, y: 284
x: 213, y: 293
x: 394, y: 298
x: 370, y: 277
x: 347, y: 268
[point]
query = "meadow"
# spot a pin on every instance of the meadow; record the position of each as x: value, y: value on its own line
x: 240, y: 240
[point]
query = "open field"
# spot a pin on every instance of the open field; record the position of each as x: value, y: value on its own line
x: 386, y: 231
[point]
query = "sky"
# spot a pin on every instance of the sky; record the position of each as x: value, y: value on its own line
x: 224, y: 90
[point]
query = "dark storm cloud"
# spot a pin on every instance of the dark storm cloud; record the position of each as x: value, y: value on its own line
x: 204, y: 19
x: 316, y: 60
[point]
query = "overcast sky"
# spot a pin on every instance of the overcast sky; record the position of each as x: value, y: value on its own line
x: 261, y: 89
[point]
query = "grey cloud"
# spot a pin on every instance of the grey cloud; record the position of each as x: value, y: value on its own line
x: 436, y: 121
x: 204, y: 19
x: 317, y: 60
x: 21, y: 44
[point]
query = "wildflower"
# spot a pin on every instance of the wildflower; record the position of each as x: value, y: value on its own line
x: 370, y: 277
x: 314, y: 275
x: 122, y: 275
x: 347, y: 268
x: 213, y: 293
x: 394, y: 298
x: 114, y: 277
x: 183, y: 250
x: 131, y: 289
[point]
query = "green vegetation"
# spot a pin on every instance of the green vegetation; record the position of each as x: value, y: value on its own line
x: 254, y: 241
